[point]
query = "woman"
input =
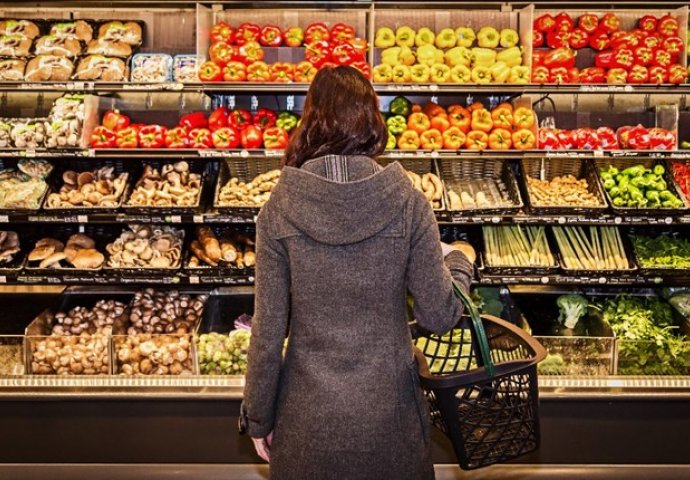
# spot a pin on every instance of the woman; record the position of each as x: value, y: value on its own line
x: 339, y: 244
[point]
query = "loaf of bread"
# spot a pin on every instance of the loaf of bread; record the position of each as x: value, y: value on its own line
x: 12, y: 70
x: 24, y: 28
x: 79, y: 30
x: 109, y: 48
x: 98, y: 67
x: 48, y: 67
x: 128, y: 32
x: 14, y: 46
x: 60, y: 46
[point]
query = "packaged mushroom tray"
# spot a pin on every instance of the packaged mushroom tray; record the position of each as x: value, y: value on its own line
x: 144, y: 248
x: 480, y: 186
x: 222, y: 250
x: 75, y: 341
x: 93, y: 190
x: 23, y: 184
x: 65, y: 250
x: 167, y: 187
x: 245, y: 185
x: 159, y: 338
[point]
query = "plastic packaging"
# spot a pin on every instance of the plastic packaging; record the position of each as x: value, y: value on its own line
x: 60, y: 46
x: 98, y: 67
x: 24, y: 28
x: 185, y: 69
x: 151, y: 67
x: 48, y: 68
x: 14, y: 46
x: 12, y: 70
x: 129, y: 32
x: 79, y: 30
x: 108, y: 48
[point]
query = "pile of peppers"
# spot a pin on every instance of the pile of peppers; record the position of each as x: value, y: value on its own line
x: 639, y: 187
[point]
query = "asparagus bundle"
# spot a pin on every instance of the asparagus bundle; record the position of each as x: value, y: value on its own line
x: 515, y: 246
x: 601, y: 249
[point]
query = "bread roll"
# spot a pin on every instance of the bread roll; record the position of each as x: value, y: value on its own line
x: 128, y: 32
x: 60, y: 46
x: 79, y: 30
x: 25, y: 28
x: 48, y: 67
x: 209, y: 242
x: 14, y: 46
x: 12, y: 70
x: 112, y: 48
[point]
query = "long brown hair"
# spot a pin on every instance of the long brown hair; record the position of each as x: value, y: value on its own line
x: 341, y: 117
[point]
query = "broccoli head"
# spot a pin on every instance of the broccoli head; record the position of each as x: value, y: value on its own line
x: 572, y: 308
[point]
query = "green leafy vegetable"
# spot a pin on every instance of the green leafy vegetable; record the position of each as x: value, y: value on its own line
x: 661, y: 251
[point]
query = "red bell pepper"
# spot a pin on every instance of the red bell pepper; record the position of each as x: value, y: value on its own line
x: 317, y: 52
x: 652, y: 41
x: 638, y: 138
x: 540, y: 75
x: 217, y: 119
x: 610, y: 23
x: 681, y: 173
x: 658, y: 75
x: 275, y: 138
x: 152, y: 136
x: 271, y: 36
x: 327, y: 64
x: 662, y: 58
x: 249, y: 53
x: 221, y: 32
x: 102, y: 137
x: 648, y: 23
x: 567, y: 139
x: 341, y: 33
x: 616, y: 76
x: 638, y: 74
x: 127, y: 137
x: 247, y: 32
x: 561, y: 75
x: 607, y: 138
x: 176, y: 138
x: 113, y: 120
x: 578, y: 39
x: 623, y: 40
x: 282, y: 72
x: 304, y: 72
x: 661, y: 139
x: 643, y: 56
x: 639, y: 34
x: 258, y: 72
x: 673, y: 45
x: 239, y: 119
x: 557, y: 38
x: 344, y: 54
x: 251, y: 137
x: 564, y: 22
x: 264, y: 118
x: 293, y: 37
x: 209, y: 72
x: 537, y: 39
x: 544, y: 23
x: 623, y: 58
x: 193, y: 120
x: 677, y: 74
x: 221, y: 53
x: 363, y: 67
x: 538, y: 58
x: 200, y: 138
x: 360, y: 45
x: 668, y: 26
x: 316, y: 32
x: 586, y: 139
x: 560, y: 57
x: 547, y: 139
x: 599, y: 40
x: 588, y: 22
x: 593, y: 75
x: 623, y: 135
x: 225, y: 137
x: 235, y: 72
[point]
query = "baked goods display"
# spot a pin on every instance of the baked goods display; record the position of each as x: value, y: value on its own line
x: 172, y: 185
x: 24, y: 187
x: 80, y: 252
x: 95, y: 188
x: 229, y: 249
x: 9, y: 246
x: 145, y: 246
x: 236, y: 193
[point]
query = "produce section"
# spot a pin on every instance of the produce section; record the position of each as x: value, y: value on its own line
x: 139, y: 191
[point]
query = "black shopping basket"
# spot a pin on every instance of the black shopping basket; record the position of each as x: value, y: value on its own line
x: 481, y: 383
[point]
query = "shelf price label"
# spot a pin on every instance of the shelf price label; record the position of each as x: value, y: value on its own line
x: 4, y: 219
x: 198, y: 219
x: 193, y: 280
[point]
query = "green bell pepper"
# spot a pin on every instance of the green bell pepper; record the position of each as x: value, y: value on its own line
x: 400, y: 106
x: 396, y: 124
x: 287, y: 121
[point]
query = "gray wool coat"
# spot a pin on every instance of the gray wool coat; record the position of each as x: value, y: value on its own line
x: 339, y: 244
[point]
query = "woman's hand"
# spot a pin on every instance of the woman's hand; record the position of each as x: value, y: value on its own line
x: 263, y: 446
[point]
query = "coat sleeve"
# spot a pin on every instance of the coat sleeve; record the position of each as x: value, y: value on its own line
x: 269, y: 328
x: 429, y: 278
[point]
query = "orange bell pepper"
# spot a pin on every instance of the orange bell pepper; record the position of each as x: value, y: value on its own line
x: 431, y: 139
x: 481, y: 120
x: 502, y: 117
x: 440, y: 123
x: 476, y: 106
x: 454, y: 138
x: 460, y: 117
x: 500, y: 139
x: 409, y: 140
x: 433, y: 109
x: 523, y: 117
x: 419, y: 122
x: 524, y: 139
x: 477, y: 140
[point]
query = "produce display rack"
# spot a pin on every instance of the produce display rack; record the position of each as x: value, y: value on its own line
x: 196, y: 407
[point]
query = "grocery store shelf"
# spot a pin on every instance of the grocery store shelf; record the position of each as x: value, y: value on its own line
x: 215, y: 277
x: 639, y: 385
x: 619, y: 279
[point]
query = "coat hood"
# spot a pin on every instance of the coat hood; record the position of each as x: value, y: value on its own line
x: 342, y: 212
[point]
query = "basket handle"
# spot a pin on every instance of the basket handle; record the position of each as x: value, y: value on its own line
x: 480, y: 333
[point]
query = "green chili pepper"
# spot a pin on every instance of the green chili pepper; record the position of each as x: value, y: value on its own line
x: 659, y: 169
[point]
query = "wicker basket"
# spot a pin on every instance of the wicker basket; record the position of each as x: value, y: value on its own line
x: 244, y: 170
x: 547, y: 169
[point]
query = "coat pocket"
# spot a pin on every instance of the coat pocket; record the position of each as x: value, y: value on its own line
x: 420, y: 402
